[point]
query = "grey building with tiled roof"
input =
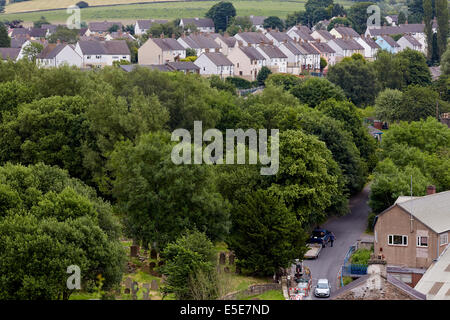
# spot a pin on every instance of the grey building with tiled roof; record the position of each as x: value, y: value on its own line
x: 160, y: 51
x: 253, y: 39
x: 278, y: 37
x: 56, y: 55
x: 142, y: 26
x: 276, y: 60
x: 300, y: 35
x: 408, y: 41
x: 10, y: 53
x: 344, y: 33
x: 200, y: 43
x: 322, y: 35
x: 103, y: 27
x: 215, y: 63
x: 202, y: 24
x: 98, y: 54
x: 345, y: 47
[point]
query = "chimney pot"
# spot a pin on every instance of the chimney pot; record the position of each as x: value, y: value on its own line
x: 431, y: 190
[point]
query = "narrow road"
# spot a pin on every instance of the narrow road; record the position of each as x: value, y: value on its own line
x: 347, y: 229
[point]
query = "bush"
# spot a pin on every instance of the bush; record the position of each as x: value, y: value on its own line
x: 361, y: 256
x: 240, y: 83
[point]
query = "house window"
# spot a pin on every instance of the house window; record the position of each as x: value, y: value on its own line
x: 124, y: 57
x: 88, y: 57
x: 443, y: 239
x: 422, y: 241
x: 397, y: 240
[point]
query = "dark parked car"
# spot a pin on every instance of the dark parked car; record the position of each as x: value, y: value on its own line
x: 320, y: 236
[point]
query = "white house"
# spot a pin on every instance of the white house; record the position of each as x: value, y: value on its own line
x: 277, y: 37
x: 322, y: 35
x: 202, y: 24
x: 408, y: 41
x: 276, y: 60
x: 55, y: 55
x: 370, y: 47
x: 97, y: 54
x: 300, y: 34
x: 214, y: 63
x: 344, y: 33
x: 142, y: 26
x: 326, y: 52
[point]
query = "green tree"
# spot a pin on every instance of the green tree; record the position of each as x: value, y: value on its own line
x: 416, y: 12
x: 262, y: 75
x: 54, y: 221
x: 64, y: 35
x: 388, y: 105
x: 418, y: 103
x: 222, y: 14
x: 32, y: 50
x: 297, y: 17
x: 428, y: 20
x: 358, y: 80
x: 445, y: 63
x: 340, y: 21
x: 5, y: 40
x: 40, y: 22
x: 323, y: 64
x: 159, y: 198
x: 358, y: 15
x: 265, y: 234
x: 442, y: 21
x: 401, y: 18
x: 316, y: 11
x: 114, y: 28
x: 274, y: 22
x: 315, y: 90
x: 286, y: 81
x: 190, y: 256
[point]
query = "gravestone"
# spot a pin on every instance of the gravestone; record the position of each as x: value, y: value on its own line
x: 222, y: 258
x: 134, y: 250
x: 134, y: 290
x: 146, y: 291
x: 154, y: 285
x: 153, y: 254
x: 231, y: 259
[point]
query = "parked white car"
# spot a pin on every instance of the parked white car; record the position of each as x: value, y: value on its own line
x: 322, y: 289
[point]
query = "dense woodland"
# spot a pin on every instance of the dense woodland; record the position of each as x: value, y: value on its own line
x: 85, y: 160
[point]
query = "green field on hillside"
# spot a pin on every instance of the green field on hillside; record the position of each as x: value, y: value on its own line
x: 129, y: 13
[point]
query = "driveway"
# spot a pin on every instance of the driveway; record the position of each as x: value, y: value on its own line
x: 347, y: 229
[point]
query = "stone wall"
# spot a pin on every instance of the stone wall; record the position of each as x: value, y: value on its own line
x: 252, y: 290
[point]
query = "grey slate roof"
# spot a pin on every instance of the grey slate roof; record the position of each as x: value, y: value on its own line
x: 182, y: 65
x: 230, y: 41
x: 346, y: 31
x: 348, y: 44
x: 412, y: 40
x: 252, y: 53
x: 253, y: 37
x: 11, y: 53
x: 400, y: 29
x: 218, y: 59
x: 19, y: 31
x: 432, y: 210
x: 325, y: 34
x: 51, y: 51
x: 305, y: 36
x: 168, y: 44
x: 272, y: 52
x: 293, y: 48
x: 323, y: 47
x: 103, y: 26
x: 257, y: 20
x: 280, y: 36
x: 371, y: 43
x: 200, y: 42
x: 147, y: 24
x: 118, y: 47
x: 308, y: 48
x: 18, y: 42
x: 199, y: 22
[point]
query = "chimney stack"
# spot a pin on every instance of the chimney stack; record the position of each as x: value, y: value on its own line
x: 431, y: 190
x: 377, y: 265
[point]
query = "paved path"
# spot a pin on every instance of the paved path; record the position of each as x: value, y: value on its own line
x: 347, y: 229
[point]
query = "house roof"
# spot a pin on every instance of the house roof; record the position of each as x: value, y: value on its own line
x: 229, y: 41
x: 400, y: 29
x: 412, y: 40
x: 19, y: 31
x: 305, y: 36
x: 323, y: 47
x: 253, y: 37
x: 252, y: 53
x: 391, y: 42
x: 218, y: 59
x: 182, y: 65
x: 198, y: 41
x: 432, y: 210
x: 18, y: 42
x: 147, y: 24
x: 308, y: 48
x: 394, y: 17
x: 199, y: 22
x: 279, y: 36
x: 50, y: 27
x: 370, y: 42
x: 436, y: 280
x: 347, y: 31
x: 167, y: 44
x: 91, y: 47
x: 51, y: 51
x: 304, y: 29
x: 9, y: 53
x: 103, y: 26
x: 293, y: 48
x: 390, y: 279
x: 131, y: 67
x: 348, y: 44
x: 325, y: 34
x: 272, y: 52
x: 38, y: 32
